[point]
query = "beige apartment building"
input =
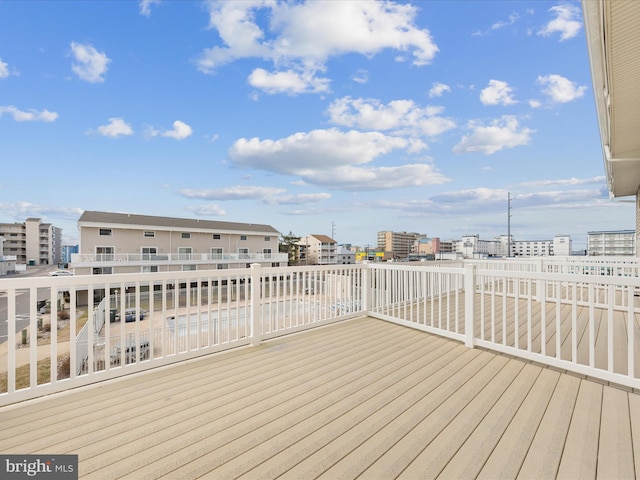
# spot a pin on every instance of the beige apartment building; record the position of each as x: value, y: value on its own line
x: 128, y: 243
x: 318, y: 250
x: 32, y: 242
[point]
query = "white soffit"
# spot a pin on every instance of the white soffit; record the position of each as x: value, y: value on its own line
x: 613, y: 36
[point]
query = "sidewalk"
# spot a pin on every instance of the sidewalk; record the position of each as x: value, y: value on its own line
x: 23, y: 353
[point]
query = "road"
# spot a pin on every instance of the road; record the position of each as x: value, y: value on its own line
x: 22, y: 301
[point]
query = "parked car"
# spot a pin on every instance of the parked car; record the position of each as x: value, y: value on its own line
x: 61, y: 273
x: 129, y: 315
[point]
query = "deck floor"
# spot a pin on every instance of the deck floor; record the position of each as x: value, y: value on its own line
x: 363, y: 398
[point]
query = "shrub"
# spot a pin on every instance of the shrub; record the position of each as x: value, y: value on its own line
x: 63, y: 315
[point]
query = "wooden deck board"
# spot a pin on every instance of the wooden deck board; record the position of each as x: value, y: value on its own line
x: 361, y: 398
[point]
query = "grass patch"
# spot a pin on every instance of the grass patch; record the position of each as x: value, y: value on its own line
x: 43, y: 373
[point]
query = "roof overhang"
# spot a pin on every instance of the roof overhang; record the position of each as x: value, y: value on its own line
x: 613, y: 39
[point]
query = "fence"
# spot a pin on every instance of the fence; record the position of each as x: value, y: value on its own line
x: 140, y: 321
x: 575, y: 320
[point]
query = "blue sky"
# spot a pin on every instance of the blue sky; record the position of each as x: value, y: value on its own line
x: 343, y: 117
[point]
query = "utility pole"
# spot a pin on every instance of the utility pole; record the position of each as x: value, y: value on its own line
x: 508, y: 224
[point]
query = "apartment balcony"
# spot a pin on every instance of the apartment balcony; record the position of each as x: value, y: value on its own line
x: 140, y: 259
x: 454, y: 370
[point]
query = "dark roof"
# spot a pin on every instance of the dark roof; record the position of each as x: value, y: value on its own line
x: 169, y: 222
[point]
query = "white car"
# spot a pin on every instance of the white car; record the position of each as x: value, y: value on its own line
x: 61, y: 273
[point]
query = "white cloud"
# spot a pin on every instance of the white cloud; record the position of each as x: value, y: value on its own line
x: 502, y: 23
x: 566, y: 22
x: 4, y: 69
x: 533, y: 103
x: 30, y: 116
x: 180, y: 131
x: 115, y: 128
x: 376, y: 178
x: 90, y: 65
x: 299, y: 199
x: 209, y: 210
x: 497, y: 93
x: 303, y: 36
x: 402, y: 117
x: 504, y: 132
x: 334, y: 159
x: 361, y: 76
x: 317, y: 149
x: 239, y: 192
x: 145, y: 6
x: 566, y: 182
x: 22, y: 210
x: 287, y: 82
x: 267, y: 195
x: 560, y: 89
x: 438, y: 89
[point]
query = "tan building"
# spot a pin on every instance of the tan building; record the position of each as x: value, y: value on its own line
x: 33, y: 242
x: 318, y: 250
x: 399, y: 243
x: 127, y: 243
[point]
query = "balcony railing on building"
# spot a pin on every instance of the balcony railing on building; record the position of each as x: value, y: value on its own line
x: 81, y: 259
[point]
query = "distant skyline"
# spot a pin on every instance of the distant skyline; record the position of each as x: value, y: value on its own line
x: 365, y: 115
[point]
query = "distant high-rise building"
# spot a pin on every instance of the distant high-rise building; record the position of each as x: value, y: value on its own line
x: 399, y: 243
x: 611, y: 243
x: 33, y: 242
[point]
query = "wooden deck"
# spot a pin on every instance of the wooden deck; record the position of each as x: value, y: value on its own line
x: 363, y: 398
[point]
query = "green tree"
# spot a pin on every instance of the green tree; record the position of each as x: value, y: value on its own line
x: 289, y: 245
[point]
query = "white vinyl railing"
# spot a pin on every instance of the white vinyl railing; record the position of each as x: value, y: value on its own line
x: 142, y: 321
x: 582, y: 322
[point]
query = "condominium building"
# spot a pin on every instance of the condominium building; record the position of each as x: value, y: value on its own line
x: 126, y: 243
x: 611, y: 243
x: 32, y: 242
x: 318, y: 250
x: 8, y: 262
x: 399, y: 243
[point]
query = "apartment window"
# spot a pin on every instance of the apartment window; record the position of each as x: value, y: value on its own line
x: 267, y: 239
x: 105, y: 232
x: 223, y: 266
x: 216, y: 253
x: 243, y: 237
x: 188, y: 268
x: 149, y: 268
x: 243, y: 253
x: 102, y: 270
x: 149, y: 233
x: 216, y: 236
x: 185, y: 235
x: 105, y: 254
x: 149, y: 253
x: 184, y: 253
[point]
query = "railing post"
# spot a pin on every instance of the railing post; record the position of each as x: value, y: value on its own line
x: 469, y: 304
x: 540, y: 268
x: 366, y: 285
x: 256, y: 311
